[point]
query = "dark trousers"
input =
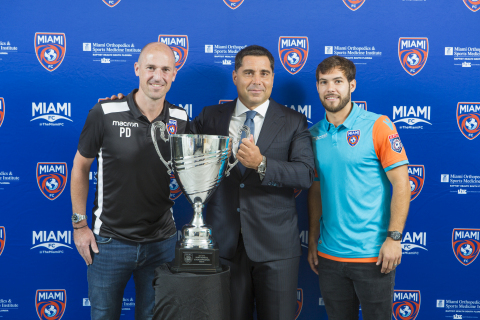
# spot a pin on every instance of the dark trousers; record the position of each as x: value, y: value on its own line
x: 345, y: 285
x: 270, y: 287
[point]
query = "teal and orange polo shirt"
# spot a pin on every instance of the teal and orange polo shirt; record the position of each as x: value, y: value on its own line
x: 351, y: 161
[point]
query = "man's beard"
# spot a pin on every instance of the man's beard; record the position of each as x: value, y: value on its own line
x: 343, y: 102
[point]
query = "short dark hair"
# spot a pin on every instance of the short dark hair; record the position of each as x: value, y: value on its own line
x: 330, y: 63
x: 253, y: 50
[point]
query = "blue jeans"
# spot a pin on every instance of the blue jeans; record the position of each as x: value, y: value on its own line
x: 112, y: 268
x: 345, y: 285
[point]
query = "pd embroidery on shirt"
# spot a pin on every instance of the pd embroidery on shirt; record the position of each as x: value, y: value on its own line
x: 353, y: 136
x: 395, y: 142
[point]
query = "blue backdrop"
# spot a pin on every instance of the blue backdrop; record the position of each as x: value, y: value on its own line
x: 417, y: 62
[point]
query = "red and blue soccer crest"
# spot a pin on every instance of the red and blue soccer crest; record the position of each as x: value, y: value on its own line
x: 353, y: 136
x: 175, y: 190
x: 354, y: 4
x: 233, y: 4
x: 2, y: 111
x: 395, y: 142
x: 179, y: 45
x: 52, y: 178
x: 293, y: 53
x: 50, y: 49
x: 2, y: 239
x: 473, y: 5
x: 172, y: 126
x: 413, y: 54
x: 466, y: 245
x: 51, y: 304
x: 406, y: 304
x: 299, y: 302
x: 111, y: 3
x: 416, y: 175
x: 468, y: 119
x: 361, y: 104
x: 223, y: 101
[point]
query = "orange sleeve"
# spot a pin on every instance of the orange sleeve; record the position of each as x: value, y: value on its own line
x: 387, y: 143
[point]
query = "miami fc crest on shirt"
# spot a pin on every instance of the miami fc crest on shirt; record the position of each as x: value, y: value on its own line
x: 416, y: 175
x: 175, y: 190
x: 50, y: 48
x: 406, y: 304
x: 473, y: 5
x: 51, y: 304
x: 395, y: 143
x: 172, y: 126
x: 466, y: 245
x: 52, y: 178
x: 468, y: 119
x: 2, y: 111
x: 111, y: 3
x: 2, y: 239
x: 413, y: 54
x: 354, y: 4
x: 179, y: 45
x: 353, y: 136
x: 299, y: 302
x: 293, y: 53
x: 233, y: 4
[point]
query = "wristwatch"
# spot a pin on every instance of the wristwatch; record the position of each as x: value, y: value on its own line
x: 395, y: 235
x: 262, y: 167
x: 76, y: 218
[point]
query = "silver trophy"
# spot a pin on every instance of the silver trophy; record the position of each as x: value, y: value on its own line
x: 199, y: 163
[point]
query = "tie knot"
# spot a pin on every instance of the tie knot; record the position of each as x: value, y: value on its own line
x: 251, y: 114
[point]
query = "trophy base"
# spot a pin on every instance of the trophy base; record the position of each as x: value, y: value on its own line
x: 196, y: 260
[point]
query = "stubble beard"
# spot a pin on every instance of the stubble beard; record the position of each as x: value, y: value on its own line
x: 343, y: 103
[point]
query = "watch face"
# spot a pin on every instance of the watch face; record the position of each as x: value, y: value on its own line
x: 395, y: 235
x: 75, y: 217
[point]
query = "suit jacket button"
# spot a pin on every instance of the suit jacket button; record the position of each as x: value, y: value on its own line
x: 242, y: 185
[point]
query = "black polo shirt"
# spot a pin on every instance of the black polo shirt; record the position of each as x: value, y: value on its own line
x: 132, y: 197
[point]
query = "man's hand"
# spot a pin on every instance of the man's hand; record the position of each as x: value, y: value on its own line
x: 114, y: 97
x: 313, y: 255
x: 83, y: 239
x: 249, y: 154
x: 390, y: 255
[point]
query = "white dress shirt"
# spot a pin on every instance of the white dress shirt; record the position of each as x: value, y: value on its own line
x: 240, y: 115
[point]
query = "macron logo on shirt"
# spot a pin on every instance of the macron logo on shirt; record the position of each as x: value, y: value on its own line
x: 388, y: 123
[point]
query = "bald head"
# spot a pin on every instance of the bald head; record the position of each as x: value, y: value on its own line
x: 153, y: 47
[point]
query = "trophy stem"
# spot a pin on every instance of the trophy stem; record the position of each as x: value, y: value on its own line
x: 197, y: 220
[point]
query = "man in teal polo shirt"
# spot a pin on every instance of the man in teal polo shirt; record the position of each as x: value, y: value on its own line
x: 355, y: 224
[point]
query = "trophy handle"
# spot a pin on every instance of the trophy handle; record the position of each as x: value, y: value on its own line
x: 163, y: 128
x: 245, y: 129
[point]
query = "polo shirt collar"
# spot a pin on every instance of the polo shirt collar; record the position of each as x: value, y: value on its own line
x: 349, y: 122
x: 261, y: 109
x: 163, y: 116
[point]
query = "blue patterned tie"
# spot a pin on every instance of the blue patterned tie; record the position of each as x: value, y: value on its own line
x: 248, y: 122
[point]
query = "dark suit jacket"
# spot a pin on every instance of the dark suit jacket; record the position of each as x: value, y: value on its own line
x: 264, y: 211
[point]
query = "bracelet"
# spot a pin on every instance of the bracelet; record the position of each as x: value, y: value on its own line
x: 81, y: 227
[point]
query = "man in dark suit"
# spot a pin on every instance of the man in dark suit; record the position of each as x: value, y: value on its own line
x: 253, y: 212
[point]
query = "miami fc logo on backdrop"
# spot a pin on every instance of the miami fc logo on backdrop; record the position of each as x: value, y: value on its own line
x: 406, y: 304
x: 299, y: 302
x: 2, y: 239
x: 2, y: 110
x: 179, y: 45
x: 473, y: 5
x: 51, y: 178
x: 353, y: 4
x: 111, y: 3
x: 413, y: 54
x: 233, y: 4
x: 293, y: 53
x: 466, y: 245
x: 51, y: 304
x: 50, y: 49
x: 416, y: 175
x: 468, y: 119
